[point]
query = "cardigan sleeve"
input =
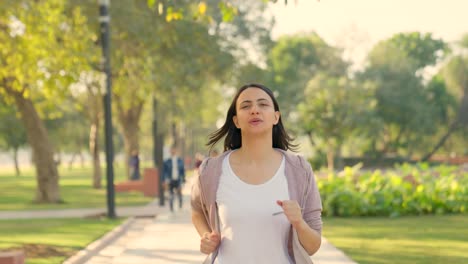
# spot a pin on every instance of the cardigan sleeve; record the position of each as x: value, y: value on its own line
x: 312, y: 211
x: 195, y: 197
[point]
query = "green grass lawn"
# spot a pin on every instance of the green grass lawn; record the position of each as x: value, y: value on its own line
x: 76, y: 190
x: 418, y: 239
x: 50, y: 241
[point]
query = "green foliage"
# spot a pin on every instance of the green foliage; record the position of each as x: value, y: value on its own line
x: 455, y: 72
x: 12, y: 133
x: 407, y: 107
x: 294, y: 60
x: 319, y: 160
x: 228, y: 11
x: 42, y: 49
x: 333, y: 111
x: 70, y: 132
x: 251, y: 73
x: 464, y: 41
x: 334, y: 107
x: 167, y: 50
x: 407, y: 190
x: 441, y: 101
x: 179, y: 9
x: 421, y: 49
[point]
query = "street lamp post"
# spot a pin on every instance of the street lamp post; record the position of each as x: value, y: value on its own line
x: 104, y: 20
x: 157, y: 154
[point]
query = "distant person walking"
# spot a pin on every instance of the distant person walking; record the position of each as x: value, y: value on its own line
x: 134, y: 166
x: 174, y: 176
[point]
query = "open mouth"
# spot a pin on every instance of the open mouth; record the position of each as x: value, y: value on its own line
x: 255, y: 121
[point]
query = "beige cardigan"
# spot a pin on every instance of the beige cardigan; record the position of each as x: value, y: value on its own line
x: 301, y: 187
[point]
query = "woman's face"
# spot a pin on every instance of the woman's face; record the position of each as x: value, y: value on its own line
x: 255, y: 111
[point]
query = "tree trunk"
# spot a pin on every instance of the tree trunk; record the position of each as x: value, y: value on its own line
x: 460, y: 121
x: 339, y: 158
x: 94, y: 150
x: 463, y: 111
x: 130, y: 136
x: 48, y: 190
x: 129, y: 122
x: 175, y: 141
x: 441, y: 142
x: 183, y: 143
x: 312, y: 141
x: 15, y: 159
x: 159, y: 152
x: 94, y: 112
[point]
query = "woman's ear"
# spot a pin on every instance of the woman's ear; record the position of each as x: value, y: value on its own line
x: 277, y: 117
x: 236, y: 123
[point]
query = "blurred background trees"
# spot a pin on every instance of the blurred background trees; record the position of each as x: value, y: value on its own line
x: 179, y: 62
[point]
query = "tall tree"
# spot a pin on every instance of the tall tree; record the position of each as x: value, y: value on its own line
x: 86, y: 106
x: 395, y: 66
x: 90, y: 105
x: 455, y: 73
x: 187, y: 46
x: 333, y: 111
x: 41, y: 49
x: 294, y: 60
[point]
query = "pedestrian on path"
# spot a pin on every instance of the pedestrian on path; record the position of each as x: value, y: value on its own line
x: 134, y: 165
x: 174, y: 177
x: 256, y: 202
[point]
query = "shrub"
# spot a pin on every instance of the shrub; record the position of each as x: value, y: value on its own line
x: 406, y: 190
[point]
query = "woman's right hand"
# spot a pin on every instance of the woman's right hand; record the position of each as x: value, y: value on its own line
x: 209, y: 242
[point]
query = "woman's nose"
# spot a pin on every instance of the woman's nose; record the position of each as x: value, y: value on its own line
x: 254, y: 109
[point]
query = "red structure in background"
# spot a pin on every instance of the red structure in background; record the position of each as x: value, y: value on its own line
x: 149, y: 185
x: 12, y: 257
x: 460, y: 160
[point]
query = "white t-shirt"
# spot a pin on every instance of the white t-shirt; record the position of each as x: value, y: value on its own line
x: 250, y: 233
x: 175, y: 169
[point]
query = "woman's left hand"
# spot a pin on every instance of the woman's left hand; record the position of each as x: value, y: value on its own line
x: 292, y: 211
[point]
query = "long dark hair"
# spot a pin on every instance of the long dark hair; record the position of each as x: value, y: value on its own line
x: 233, y: 139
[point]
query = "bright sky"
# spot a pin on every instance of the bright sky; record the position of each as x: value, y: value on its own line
x: 358, y: 24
